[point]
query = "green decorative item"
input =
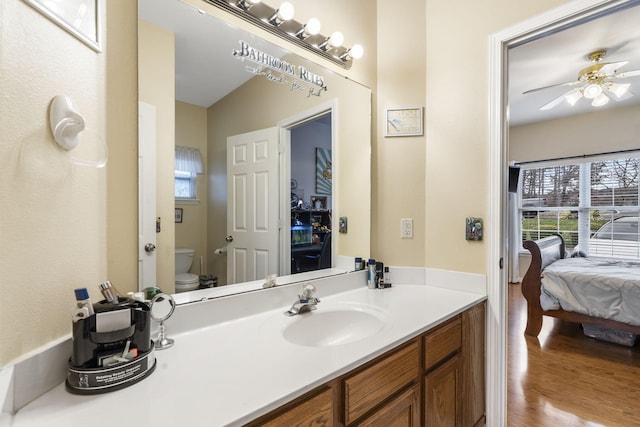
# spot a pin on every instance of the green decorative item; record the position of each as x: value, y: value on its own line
x: 474, y: 228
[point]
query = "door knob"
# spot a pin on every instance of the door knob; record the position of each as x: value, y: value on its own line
x: 229, y: 239
x: 149, y: 247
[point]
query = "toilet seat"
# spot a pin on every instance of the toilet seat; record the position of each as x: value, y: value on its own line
x: 187, y: 282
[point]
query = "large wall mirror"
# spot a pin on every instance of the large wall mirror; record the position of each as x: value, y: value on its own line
x: 284, y: 157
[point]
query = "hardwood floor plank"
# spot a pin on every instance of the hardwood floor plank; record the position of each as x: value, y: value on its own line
x: 564, y: 378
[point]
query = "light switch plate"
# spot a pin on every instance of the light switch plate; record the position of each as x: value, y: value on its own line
x: 342, y: 224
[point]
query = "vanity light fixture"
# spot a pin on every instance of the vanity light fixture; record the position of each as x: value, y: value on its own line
x: 280, y: 22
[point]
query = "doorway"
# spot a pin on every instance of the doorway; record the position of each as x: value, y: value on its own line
x: 311, y: 163
x: 568, y: 15
x: 308, y: 163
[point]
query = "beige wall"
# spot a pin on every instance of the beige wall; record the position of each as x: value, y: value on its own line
x: 120, y: 96
x: 457, y: 64
x: 593, y: 133
x: 156, y: 86
x: 398, y: 163
x: 53, y: 212
x: 191, y: 131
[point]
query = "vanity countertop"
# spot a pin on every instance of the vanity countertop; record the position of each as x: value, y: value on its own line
x: 232, y: 372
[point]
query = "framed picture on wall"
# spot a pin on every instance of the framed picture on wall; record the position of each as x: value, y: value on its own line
x: 81, y: 18
x: 178, y: 214
x: 403, y: 122
x: 319, y: 203
x: 323, y: 171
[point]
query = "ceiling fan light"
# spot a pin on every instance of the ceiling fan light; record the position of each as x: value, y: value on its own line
x: 573, y: 97
x: 619, y: 89
x: 600, y: 100
x: 592, y: 91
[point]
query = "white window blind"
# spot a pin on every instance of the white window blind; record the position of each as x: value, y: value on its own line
x: 188, y: 164
x: 593, y: 205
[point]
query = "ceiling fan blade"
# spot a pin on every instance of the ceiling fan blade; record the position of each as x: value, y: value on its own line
x: 610, y: 68
x: 575, y: 82
x: 626, y: 74
x: 571, y: 97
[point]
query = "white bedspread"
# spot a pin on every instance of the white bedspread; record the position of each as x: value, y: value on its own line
x: 601, y: 287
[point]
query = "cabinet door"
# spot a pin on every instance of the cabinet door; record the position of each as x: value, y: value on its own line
x: 443, y: 395
x: 403, y: 411
x: 374, y: 384
x: 316, y: 411
x: 473, y: 331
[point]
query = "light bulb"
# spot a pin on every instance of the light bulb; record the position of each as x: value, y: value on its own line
x: 573, y: 97
x: 592, y: 91
x: 600, y: 100
x: 312, y: 27
x: 286, y: 11
x: 356, y: 51
x: 619, y: 89
x: 336, y: 39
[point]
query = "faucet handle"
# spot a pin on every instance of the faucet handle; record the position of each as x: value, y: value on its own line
x: 308, y: 290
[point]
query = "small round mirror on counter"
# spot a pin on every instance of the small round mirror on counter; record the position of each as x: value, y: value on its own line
x: 162, y: 307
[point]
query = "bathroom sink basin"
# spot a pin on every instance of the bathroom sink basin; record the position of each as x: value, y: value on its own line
x: 332, y: 326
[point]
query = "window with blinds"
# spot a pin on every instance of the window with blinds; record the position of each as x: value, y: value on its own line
x: 188, y: 164
x: 593, y: 205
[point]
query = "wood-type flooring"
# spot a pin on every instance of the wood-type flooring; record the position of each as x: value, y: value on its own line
x: 564, y: 378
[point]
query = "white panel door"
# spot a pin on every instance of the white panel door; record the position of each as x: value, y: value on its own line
x: 146, y: 195
x: 252, y: 208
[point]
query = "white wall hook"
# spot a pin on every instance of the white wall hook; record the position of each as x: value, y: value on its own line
x: 66, y: 122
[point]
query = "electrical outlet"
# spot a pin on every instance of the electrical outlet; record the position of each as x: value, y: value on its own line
x: 406, y: 228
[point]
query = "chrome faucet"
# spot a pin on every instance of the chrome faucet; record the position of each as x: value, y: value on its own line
x: 306, y: 302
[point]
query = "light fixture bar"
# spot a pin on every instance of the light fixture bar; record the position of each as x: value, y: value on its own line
x: 259, y: 15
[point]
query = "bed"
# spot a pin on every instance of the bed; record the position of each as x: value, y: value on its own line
x: 598, y: 292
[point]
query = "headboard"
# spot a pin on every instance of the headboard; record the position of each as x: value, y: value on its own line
x: 551, y: 249
x: 543, y: 252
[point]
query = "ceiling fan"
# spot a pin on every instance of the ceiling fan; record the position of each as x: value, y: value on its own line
x: 597, y: 82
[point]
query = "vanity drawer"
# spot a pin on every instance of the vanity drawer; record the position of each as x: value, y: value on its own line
x: 378, y: 382
x: 316, y: 410
x: 442, y: 342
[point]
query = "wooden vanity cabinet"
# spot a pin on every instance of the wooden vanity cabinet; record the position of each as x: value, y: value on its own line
x: 433, y: 380
x: 314, y: 409
x: 443, y: 375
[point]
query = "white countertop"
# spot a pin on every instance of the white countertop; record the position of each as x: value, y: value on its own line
x: 232, y: 372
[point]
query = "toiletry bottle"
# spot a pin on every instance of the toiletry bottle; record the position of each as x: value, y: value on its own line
x: 379, y: 273
x: 358, y: 264
x: 371, y: 274
x: 83, y: 300
x: 84, y: 308
x: 109, y: 292
x: 386, y: 278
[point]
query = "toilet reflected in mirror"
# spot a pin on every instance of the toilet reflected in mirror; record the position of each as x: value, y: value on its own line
x: 185, y: 281
x: 162, y: 306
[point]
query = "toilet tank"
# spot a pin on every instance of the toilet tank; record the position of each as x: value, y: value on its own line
x: 184, y: 258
